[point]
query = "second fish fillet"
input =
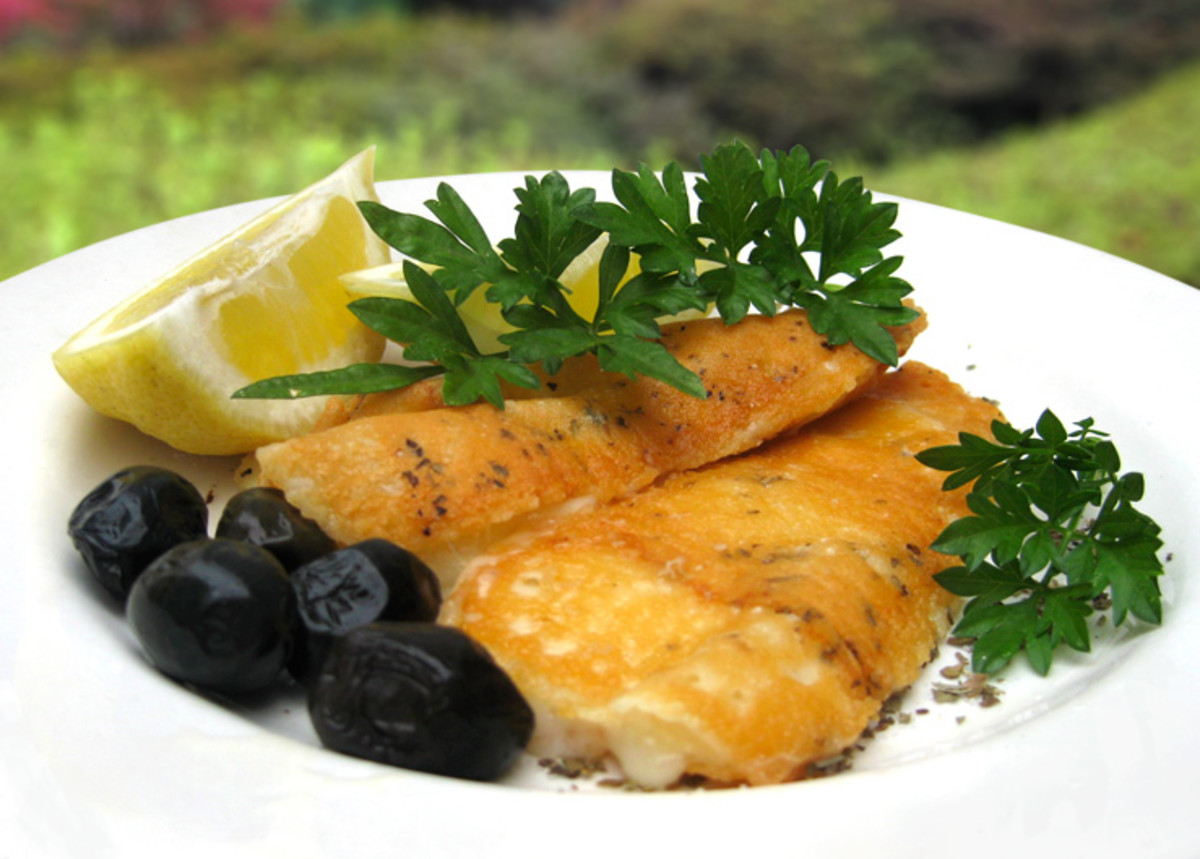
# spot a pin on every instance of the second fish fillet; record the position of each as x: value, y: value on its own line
x: 742, y: 621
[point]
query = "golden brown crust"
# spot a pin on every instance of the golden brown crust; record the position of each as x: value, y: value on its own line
x: 443, y: 480
x: 745, y: 619
x: 419, y: 397
x: 577, y: 374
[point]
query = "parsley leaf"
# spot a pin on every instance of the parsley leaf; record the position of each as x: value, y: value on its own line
x: 761, y: 237
x: 364, y: 378
x: 1052, y: 529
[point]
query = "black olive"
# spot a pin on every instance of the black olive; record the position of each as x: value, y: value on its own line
x: 217, y: 614
x: 132, y: 518
x: 371, y: 581
x: 263, y: 516
x: 420, y: 696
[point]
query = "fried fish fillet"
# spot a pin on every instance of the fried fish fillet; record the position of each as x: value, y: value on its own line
x: 443, y: 482
x: 744, y: 620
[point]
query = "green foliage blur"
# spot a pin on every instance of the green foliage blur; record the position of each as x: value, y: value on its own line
x: 1124, y: 178
x: 1070, y: 116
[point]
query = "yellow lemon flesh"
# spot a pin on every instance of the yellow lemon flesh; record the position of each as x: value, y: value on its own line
x: 482, y: 318
x: 264, y: 301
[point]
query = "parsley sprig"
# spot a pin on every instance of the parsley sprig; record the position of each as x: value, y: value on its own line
x: 761, y: 224
x: 1053, y: 532
x: 762, y: 236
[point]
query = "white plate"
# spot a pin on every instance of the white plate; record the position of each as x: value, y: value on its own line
x: 101, y: 756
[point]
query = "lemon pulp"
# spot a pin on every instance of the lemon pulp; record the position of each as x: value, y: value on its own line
x: 312, y: 320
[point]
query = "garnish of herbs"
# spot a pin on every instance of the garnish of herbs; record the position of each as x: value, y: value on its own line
x: 1053, y: 533
x: 773, y: 230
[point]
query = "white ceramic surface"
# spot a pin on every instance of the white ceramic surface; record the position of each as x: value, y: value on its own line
x: 99, y: 756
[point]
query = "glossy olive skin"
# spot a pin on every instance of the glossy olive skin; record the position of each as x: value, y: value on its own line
x: 368, y: 582
x: 217, y: 614
x: 130, y: 519
x: 420, y: 696
x: 263, y: 516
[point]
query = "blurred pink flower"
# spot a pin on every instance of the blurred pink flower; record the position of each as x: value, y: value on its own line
x: 16, y: 15
x: 127, y: 20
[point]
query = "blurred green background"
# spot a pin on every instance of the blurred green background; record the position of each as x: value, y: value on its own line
x: 1075, y: 117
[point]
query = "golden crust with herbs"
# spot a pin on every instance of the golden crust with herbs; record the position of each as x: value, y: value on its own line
x: 444, y: 482
x: 741, y: 621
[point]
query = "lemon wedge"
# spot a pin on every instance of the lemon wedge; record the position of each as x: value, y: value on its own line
x: 264, y: 301
x: 481, y: 317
